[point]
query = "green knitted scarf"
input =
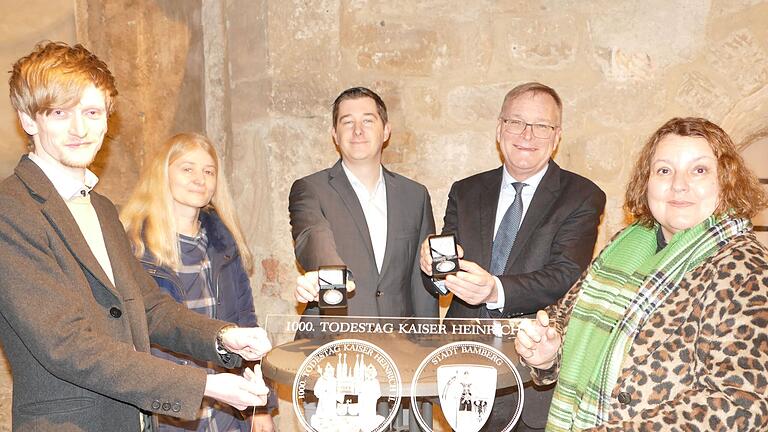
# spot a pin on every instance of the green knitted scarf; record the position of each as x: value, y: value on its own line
x: 624, y: 285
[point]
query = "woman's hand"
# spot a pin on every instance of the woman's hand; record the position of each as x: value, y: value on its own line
x: 262, y: 422
x: 537, y: 343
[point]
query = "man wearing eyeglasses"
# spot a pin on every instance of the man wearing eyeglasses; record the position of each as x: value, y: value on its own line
x: 527, y: 228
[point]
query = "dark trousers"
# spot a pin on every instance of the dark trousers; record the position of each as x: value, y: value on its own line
x: 522, y: 427
x: 535, y: 409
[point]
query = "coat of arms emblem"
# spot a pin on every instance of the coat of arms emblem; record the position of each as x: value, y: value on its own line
x: 466, y: 395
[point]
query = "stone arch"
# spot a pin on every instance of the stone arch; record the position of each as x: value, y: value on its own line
x: 747, y: 123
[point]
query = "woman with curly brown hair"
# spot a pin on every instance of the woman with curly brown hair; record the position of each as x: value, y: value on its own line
x: 665, y: 331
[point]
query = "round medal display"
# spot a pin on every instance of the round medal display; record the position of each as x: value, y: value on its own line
x: 356, y: 384
x: 445, y: 266
x: 332, y: 296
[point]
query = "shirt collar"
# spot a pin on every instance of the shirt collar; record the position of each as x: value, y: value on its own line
x: 358, y: 185
x: 532, y: 181
x: 67, y: 186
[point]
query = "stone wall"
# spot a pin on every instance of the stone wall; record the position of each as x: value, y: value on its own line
x: 443, y: 68
x: 259, y: 76
x: 154, y: 48
x: 21, y: 29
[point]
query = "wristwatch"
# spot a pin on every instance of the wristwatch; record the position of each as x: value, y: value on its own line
x: 225, y: 354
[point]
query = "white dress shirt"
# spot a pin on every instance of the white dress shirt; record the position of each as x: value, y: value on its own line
x: 374, y: 206
x: 67, y: 186
x: 506, y: 197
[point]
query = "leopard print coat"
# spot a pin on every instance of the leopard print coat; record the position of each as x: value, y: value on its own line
x: 700, y: 363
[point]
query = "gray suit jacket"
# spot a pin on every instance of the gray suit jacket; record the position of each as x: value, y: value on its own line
x: 329, y: 228
x: 553, y: 247
x: 78, y: 344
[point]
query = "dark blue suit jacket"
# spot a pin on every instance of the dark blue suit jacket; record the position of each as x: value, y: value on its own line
x: 553, y: 247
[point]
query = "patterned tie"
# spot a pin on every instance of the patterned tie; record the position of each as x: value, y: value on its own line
x: 505, y: 235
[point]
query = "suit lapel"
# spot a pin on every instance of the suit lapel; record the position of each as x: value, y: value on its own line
x: 122, y: 271
x: 56, y: 211
x: 489, y: 201
x: 114, y: 242
x: 546, y: 194
x: 340, y: 183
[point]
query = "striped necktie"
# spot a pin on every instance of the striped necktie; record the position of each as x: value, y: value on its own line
x: 507, y: 232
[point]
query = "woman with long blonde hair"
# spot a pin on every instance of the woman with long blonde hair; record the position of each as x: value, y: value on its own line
x: 182, y: 225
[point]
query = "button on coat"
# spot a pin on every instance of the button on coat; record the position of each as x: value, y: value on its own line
x: 624, y: 398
